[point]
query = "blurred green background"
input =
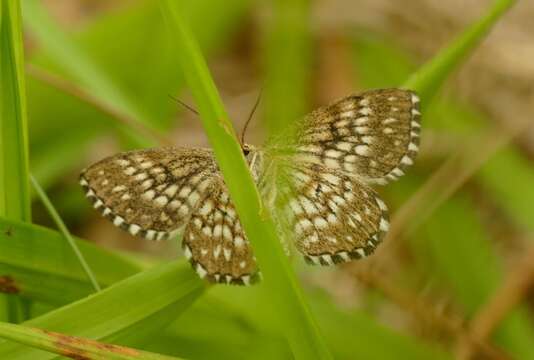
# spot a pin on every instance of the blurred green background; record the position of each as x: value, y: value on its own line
x: 454, y: 277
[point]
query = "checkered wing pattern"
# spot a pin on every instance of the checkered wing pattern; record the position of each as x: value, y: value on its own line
x: 215, y: 243
x: 373, y: 135
x: 335, y: 217
x: 156, y: 193
x: 150, y: 193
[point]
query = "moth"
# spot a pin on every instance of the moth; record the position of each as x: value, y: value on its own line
x: 319, y: 180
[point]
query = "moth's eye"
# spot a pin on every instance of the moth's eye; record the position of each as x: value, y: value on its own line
x: 246, y: 151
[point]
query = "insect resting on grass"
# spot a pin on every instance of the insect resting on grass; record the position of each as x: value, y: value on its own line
x: 318, y: 180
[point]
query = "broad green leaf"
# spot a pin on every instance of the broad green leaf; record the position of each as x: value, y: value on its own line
x: 124, y: 313
x: 40, y: 265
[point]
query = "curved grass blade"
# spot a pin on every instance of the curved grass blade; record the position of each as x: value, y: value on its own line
x: 125, y: 313
x: 73, y: 347
x: 296, y: 320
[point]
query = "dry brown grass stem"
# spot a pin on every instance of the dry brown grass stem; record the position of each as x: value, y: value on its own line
x: 505, y: 298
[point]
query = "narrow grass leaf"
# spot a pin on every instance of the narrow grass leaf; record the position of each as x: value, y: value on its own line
x: 15, y: 202
x: 14, y: 175
x: 296, y: 320
x: 73, y: 347
x: 66, y: 233
x: 126, y: 313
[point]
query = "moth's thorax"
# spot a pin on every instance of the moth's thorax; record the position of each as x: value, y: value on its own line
x: 255, y: 159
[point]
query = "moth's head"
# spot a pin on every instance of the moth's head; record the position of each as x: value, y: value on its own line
x: 247, y: 149
x: 253, y: 155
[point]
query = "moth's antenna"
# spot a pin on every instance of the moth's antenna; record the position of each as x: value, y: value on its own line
x: 188, y: 107
x: 242, y: 140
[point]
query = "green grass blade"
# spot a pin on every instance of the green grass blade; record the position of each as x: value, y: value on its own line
x: 66, y: 233
x: 73, y: 347
x: 125, y: 313
x: 38, y: 264
x: 427, y: 80
x: 14, y: 174
x: 15, y: 201
x: 291, y: 308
